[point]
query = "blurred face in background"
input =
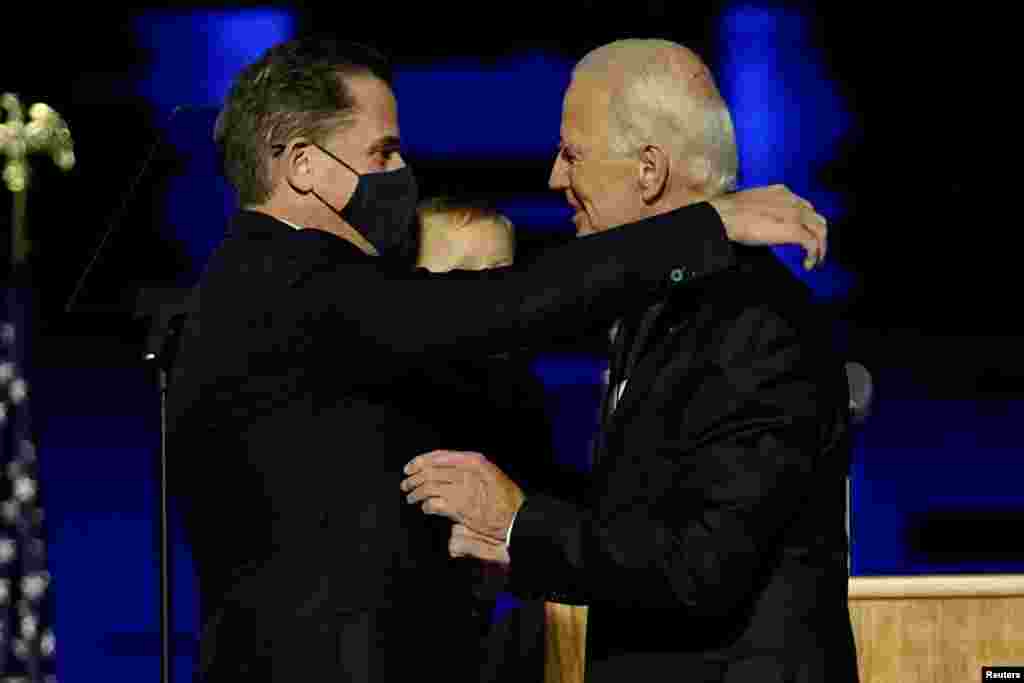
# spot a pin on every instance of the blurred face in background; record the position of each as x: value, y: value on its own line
x: 451, y: 240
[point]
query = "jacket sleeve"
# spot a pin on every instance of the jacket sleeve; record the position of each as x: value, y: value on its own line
x: 469, y: 313
x: 746, y: 462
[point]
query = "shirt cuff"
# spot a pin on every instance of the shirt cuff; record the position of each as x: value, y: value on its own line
x: 508, y: 536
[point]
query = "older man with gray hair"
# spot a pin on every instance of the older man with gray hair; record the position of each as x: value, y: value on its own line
x: 712, y: 546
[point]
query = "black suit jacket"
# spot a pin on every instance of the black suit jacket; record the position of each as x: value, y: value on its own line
x: 713, y: 546
x: 298, y: 396
x: 497, y: 406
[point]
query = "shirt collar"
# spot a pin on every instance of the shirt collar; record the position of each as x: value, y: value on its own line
x: 297, y: 227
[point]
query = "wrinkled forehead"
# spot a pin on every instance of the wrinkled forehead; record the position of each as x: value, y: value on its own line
x: 585, y: 109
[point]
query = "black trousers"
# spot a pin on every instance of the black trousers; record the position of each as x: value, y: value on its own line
x: 421, y: 642
x: 402, y: 644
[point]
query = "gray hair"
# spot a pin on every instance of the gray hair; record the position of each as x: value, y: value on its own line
x: 652, y: 103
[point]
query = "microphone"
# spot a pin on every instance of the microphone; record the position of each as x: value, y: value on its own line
x: 861, y: 391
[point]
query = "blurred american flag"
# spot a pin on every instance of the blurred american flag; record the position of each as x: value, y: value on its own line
x: 27, y: 643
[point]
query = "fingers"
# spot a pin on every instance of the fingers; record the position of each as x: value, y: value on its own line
x: 442, y: 459
x: 437, y: 476
x: 817, y: 227
x: 434, y: 494
x: 816, y: 242
x: 416, y: 480
x: 812, y: 247
x: 430, y: 489
x: 822, y: 224
x: 805, y: 226
x: 420, y: 462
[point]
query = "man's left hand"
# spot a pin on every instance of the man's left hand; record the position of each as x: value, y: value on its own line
x: 465, y: 487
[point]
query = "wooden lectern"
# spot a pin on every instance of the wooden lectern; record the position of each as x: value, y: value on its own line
x: 909, y: 629
x: 937, y: 628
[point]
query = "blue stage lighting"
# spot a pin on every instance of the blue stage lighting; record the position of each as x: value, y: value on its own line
x: 788, y: 115
x: 464, y: 108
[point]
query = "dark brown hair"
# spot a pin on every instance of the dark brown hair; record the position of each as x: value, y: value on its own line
x: 296, y: 89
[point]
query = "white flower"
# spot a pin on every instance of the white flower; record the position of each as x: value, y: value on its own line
x: 48, y: 643
x: 8, y: 550
x: 10, y: 510
x: 25, y: 489
x: 34, y: 585
x: 19, y: 390
x: 29, y: 626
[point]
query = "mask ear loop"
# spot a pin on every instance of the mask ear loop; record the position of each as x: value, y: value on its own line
x: 279, y: 149
x: 335, y: 158
x: 317, y: 194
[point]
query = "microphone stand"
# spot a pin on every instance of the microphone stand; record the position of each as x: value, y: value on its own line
x: 164, y: 311
x: 165, y: 319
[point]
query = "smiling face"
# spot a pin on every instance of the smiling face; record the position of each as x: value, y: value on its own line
x: 603, y: 188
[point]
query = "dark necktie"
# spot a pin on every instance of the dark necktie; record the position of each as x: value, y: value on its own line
x: 630, y: 339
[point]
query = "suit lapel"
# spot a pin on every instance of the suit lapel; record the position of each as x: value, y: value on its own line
x: 662, y: 329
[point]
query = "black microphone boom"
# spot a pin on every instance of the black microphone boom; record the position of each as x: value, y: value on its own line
x: 166, y: 311
x: 115, y: 219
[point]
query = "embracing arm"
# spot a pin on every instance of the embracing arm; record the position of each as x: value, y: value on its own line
x: 598, y: 277
x: 482, y: 312
x: 740, y: 478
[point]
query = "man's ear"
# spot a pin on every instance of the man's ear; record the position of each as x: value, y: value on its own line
x: 298, y: 165
x: 654, y: 173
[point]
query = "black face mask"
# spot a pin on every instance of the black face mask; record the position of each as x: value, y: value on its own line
x: 383, y: 209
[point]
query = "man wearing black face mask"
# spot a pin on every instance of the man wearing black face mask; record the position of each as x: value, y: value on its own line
x: 299, y: 393
x: 382, y: 206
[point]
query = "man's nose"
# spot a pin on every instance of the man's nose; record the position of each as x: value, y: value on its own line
x: 558, y: 180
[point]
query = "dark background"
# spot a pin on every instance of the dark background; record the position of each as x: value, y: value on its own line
x: 894, y: 122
